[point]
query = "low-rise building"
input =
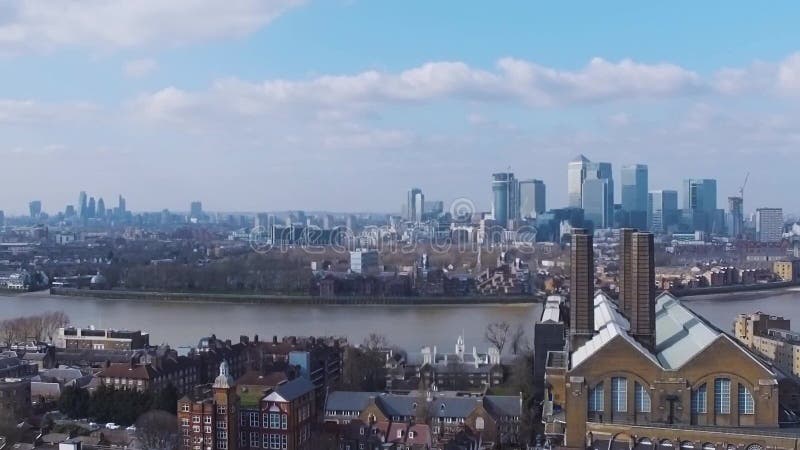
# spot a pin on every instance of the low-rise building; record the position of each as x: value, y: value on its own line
x: 73, y: 338
x: 153, y: 372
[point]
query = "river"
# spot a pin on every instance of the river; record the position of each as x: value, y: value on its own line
x: 411, y: 327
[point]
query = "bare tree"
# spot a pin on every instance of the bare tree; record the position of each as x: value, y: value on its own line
x: 497, y: 334
x: 518, y: 342
x: 157, y: 430
x: 376, y: 342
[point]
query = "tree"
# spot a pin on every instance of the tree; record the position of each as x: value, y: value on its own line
x: 157, y: 430
x: 167, y: 399
x: 518, y: 342
x: 497, y: 334
x: 74, y: 402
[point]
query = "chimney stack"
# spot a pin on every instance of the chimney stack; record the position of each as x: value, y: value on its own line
x: 581, y: 309
x: 625, y: 285
x: 643, y: 297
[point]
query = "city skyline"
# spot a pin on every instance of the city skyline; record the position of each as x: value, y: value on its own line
x: 320, y: 97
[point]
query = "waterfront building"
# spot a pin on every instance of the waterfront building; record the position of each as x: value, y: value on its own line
x: 493, y: 420
x: 634, y: 194
x: 787, y: 270
x: 460, y: 370
x: 364, y: 261
x: 769, y: 224
x: 772, y: 338
x: 76, y: 338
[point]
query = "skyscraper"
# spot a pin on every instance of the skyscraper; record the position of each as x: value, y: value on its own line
x: 415, y: 205
x: 662, y: 210
x: 505, y: 194
x: 121, y: 205
x: 735, y: 217
x: 769, y: 224
x: 700, y: 204
x: 82, y: 205
x: 101, y: 208
x: 91, y: 208
x: 581, y: 290
x: 196, y: 210
x: 2, y: 219
x: 35, y: 209
x: 532, y: 198
x: 576, y: 173
x: 595, y: 204
x: 634, y: 193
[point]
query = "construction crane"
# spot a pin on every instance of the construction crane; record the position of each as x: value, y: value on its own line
x: 741, y: 188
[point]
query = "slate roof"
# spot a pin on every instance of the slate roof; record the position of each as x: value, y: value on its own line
x: 441, y: 406
x: 295, y: 388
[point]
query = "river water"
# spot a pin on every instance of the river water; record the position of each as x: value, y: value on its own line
x: 410, y: 327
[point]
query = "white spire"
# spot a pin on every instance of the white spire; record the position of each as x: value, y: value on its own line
x: 224, y: 380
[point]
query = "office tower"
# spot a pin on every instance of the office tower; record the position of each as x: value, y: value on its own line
x: 576, y: 173
x: 101, y: 208
x: 769, y: 224
x: 82, y: 205
x: 327, y: 222
x: 2, y: 219
x: 700, y: 204
x: 735, y: 217
x: 365, y: 261
x: 505, y: 194
x: 35, y: 209
x: 433, y: 208
x: 642, y: 286
x: 91, y: 208
x: 595, y: 204
x: 415, y: 205
x: 580, y: 169
x: 532, y: 198
x: 634, y: 194
x: 625, y: 280
x: 196, y: 210
x: 121, y: 205
x: 662, y: 210
x: 581, y: 291
x: 69, y: 211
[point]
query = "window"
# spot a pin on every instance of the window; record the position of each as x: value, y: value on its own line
x: 284, y: 441
x: 185, y: 422
x: 284, y: 421
x: 196, y: 429
x: 254, y: 420
x: 243, y: 418
x: 254, y: 440
x: 243, y: 439
x: 207, y: 429
x: 221, y: 409
x: 746, y: 403
x: 722, y: 396
x: 275, y: 441
x: 207, y: 419
x: 222, y: 425
x: 596, y: 398
x: 275, y: 421
x: 699, y: 397
x: 222, y: 434
x: 196, y: 419
x: 642, y: 399
x: 479, y: 424
x: 185, y: 408
x: 619, y: 394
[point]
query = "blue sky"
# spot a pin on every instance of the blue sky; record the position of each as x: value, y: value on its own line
x: 343, y: 105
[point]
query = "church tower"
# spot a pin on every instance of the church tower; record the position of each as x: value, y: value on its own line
x: 225, y: 402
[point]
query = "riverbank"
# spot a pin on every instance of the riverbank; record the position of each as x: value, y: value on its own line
x: 290, y: 300
x: 734, y: 290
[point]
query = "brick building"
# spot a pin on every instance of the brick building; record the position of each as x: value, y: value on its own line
x: 207, y: 419
x: 153, y: 372
x: 90, y: 338
x: 659, y: 376
x: 282, y: 419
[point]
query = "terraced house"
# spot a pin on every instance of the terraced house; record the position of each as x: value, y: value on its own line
x: 358, y: 417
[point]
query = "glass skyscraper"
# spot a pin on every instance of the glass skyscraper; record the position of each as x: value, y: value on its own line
x: 532, y: 198
x: 505, y: 197
x: 662, y: 210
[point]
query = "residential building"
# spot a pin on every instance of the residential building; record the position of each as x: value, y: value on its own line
x: 772, y: 338
x: 73, y: 338
x: 153, y: 372
x: 532, y: 198
x: 787, y: 270
x: 15, y: 399
x: 735, y: 217
x: 495, y: 420
x: 769, y: 224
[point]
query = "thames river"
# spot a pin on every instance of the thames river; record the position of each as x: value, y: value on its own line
x: 411, y: 327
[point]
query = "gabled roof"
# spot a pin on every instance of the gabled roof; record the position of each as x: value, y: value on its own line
x: 291, y: 390
x: 680, y: 334
x: 604, y: 336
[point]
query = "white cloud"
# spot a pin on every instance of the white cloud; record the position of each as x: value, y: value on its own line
x: 16, y: 112
x: 513, y: 81
x: 42, y: 25
x: 789, y: 74
x: 139, y: 68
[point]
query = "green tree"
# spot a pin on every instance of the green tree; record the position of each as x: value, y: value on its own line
x: 74, y: 402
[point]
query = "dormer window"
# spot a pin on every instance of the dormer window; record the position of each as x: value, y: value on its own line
x: 399, y: 433
x: 411, y: 434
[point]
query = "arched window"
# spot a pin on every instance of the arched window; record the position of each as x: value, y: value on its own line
x: 596, y: 398
x: 722, y: 395
x: 709, y: 446
x: 746, y: 403
x: 686, y: 445
x: 479, y: 424
x: 699, y: 400
x: 642, y: 398
x: 754, y: 447
x: 619, y: 394
x: 665, y: 444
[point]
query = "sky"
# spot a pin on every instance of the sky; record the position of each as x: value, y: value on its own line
x: 343, y: 105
